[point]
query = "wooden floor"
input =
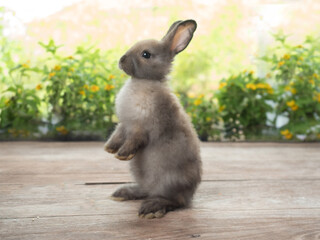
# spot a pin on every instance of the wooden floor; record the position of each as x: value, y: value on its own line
x: 60, y: 190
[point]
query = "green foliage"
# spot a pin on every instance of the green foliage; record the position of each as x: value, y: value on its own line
x: 243, y: 104
x: 296, y: 70
x: 67, y: 97
x: 20, y: 111
x: 74, y: 94
x: 203, y: 113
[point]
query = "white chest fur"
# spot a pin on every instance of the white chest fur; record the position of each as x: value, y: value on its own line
x: 135, y: 101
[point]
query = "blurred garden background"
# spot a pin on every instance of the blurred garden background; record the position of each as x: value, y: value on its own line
x: 251, y: 72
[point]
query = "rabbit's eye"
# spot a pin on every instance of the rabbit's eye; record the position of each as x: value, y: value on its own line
x: 146, y: 54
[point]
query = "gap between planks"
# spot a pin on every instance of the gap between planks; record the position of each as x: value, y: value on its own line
x: 218, y: 180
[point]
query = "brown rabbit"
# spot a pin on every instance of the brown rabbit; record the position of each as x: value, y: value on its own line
x: 154, y: 130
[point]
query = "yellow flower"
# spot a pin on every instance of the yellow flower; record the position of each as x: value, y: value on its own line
x: 57, y: 68
x: 299, y: 46
x: 251, y: 72
x: 222, y: 85
x: 284, y: 132
x: 291, y: 103
x: 208, y: 119
x: 201, y: 95
x: 317, y: 97
x: 293, y: 90
x: 286, y: 57
x: 111, y: 77
x: 259, y: 85
x: 197, y: 102
x: 52, y: 74
x: 70, y: 57
x: 311, y: 81
x: 221, y: 108
x: 108, y: 87
x: 72, y: 69
x: 263, y: 85
x: 294, y: 108
x: 81, y: 92
x: 62, y: 130
x: 25, y: 65
x: 251, y: 86
x: 287, y: 134
x: 268, y: 75
x: 86, y: 86
x: 38, y: 87
x: 94, y: 88
x: 287, y: 88
x: 301, y: 58
x: 281, y: 63
x: 299, y: 63
x: 7, y: 102
x: 315, y: 75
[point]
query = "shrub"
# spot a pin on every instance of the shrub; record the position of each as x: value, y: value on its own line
x: 296, y: 70
x: 203, y: 112
x: 68, y: 97
x: 243, y: 104
x: 73, y: 96
x: 19, y: 114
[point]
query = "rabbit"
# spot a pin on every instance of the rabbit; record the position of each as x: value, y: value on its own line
x: 154, y: 132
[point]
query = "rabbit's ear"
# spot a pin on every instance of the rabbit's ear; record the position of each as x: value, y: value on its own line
x: 179, y: 35
x: 173, y: 27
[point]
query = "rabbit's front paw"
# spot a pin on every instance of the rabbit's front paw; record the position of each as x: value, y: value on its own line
x: 124, y: 157
x: 112, y: 147
x: 126, y: 152
x: 109, y: 149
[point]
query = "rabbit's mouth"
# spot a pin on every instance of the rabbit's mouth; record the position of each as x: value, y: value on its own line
x: 127, y: 65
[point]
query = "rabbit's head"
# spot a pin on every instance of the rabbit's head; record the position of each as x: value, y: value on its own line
x: 152, y: 59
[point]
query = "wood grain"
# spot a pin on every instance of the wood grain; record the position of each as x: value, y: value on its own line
x: 250, y: 191
x: 87, y: 162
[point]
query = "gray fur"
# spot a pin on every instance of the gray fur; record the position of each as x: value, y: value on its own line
x: 154, y: 130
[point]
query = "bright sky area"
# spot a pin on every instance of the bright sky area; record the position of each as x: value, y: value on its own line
x: 27, y: 11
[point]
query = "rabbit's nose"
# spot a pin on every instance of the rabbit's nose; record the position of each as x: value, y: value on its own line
x: 123, y: 58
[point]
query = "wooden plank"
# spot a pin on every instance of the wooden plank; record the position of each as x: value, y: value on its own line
x: 260, y: 191
x: 182, y: 225
x: 87, y: 162
x: 221, y: 210
x: 68, y: 200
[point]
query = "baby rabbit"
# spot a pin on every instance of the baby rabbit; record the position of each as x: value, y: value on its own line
x: 154, y: 130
